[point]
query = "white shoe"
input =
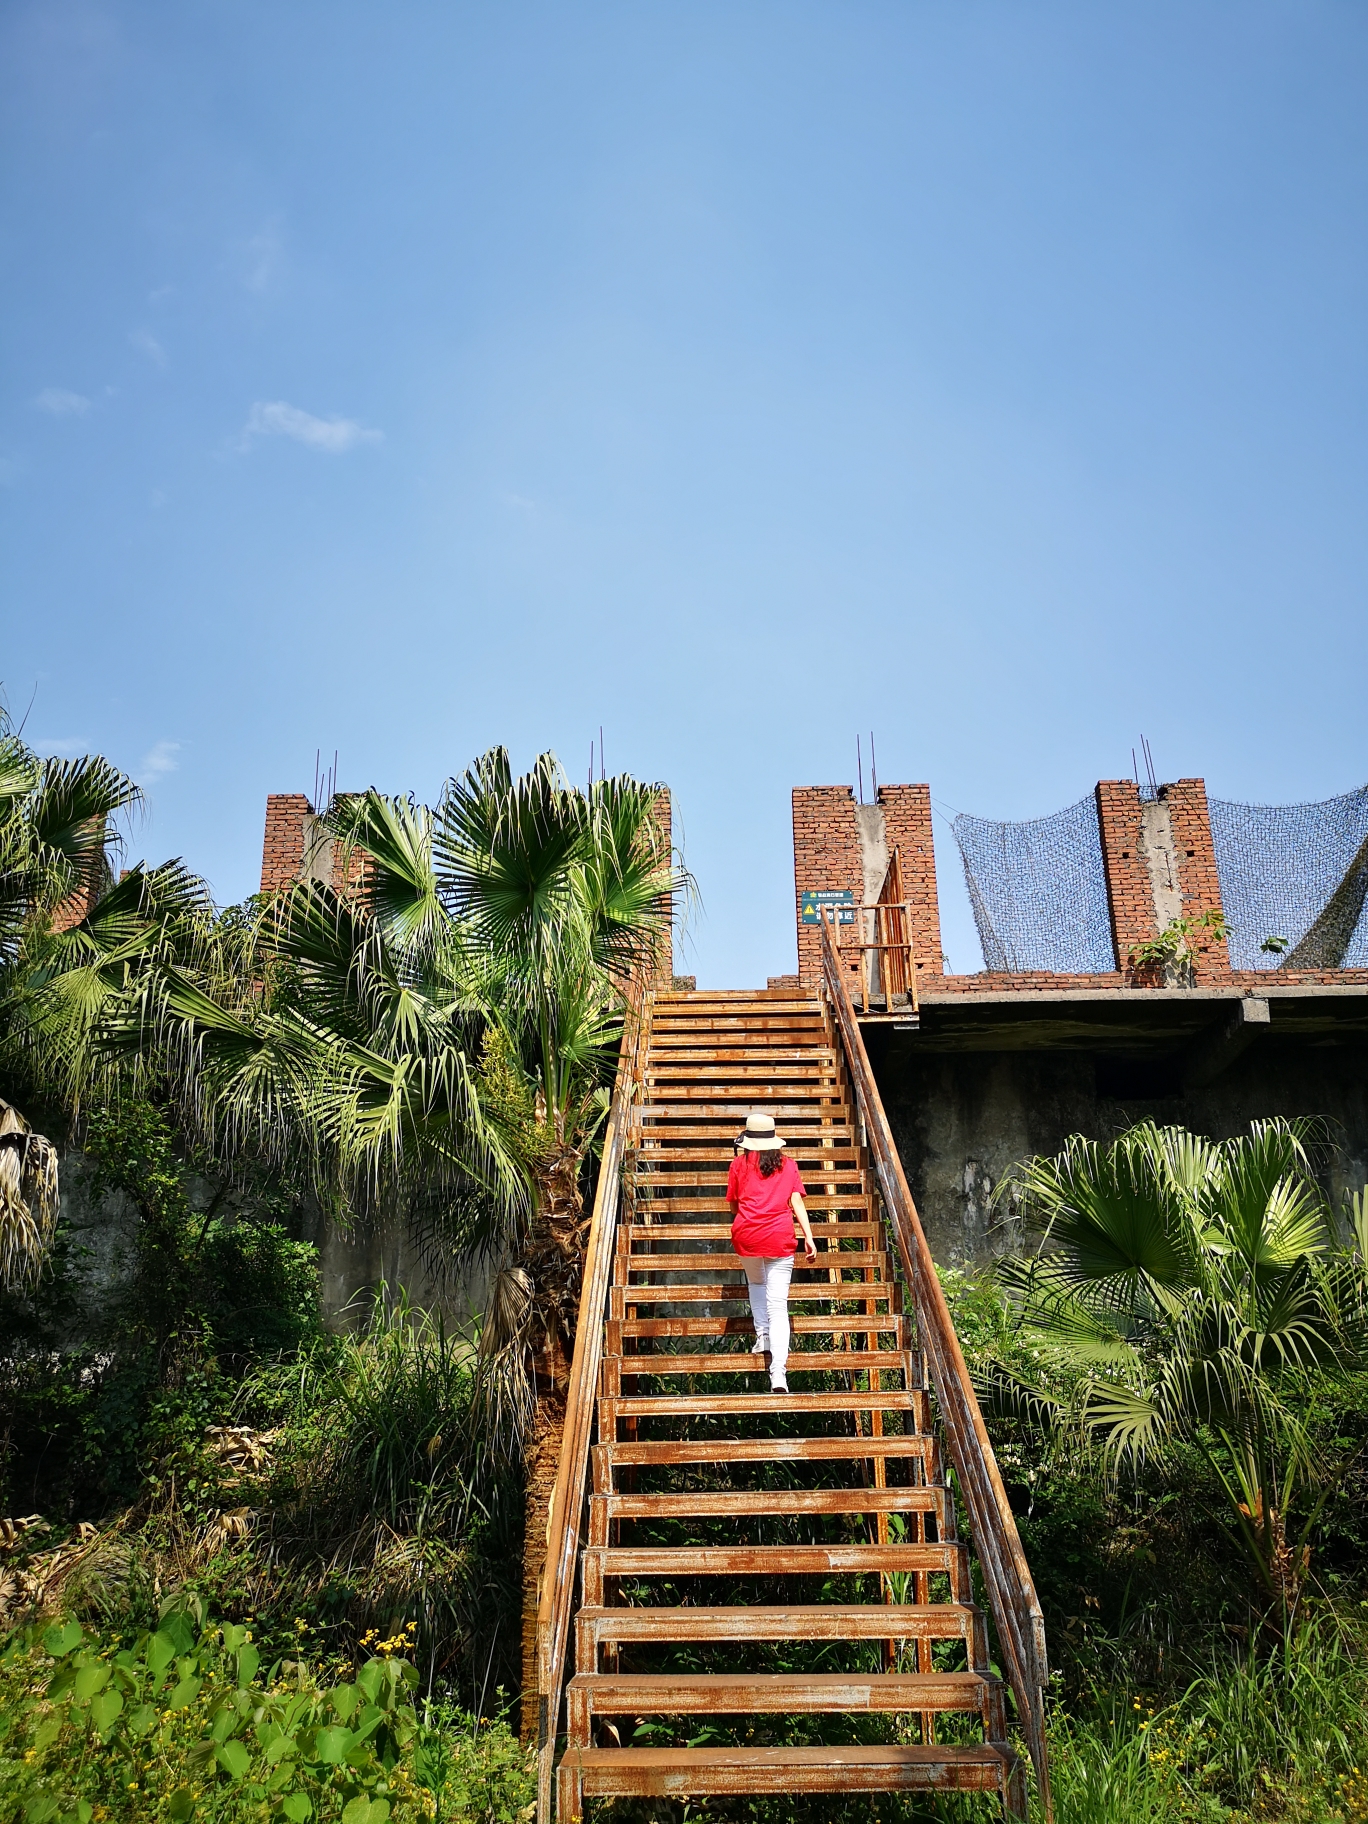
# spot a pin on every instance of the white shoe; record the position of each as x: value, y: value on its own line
x: 761, y: 1344
x: 779, y: 1386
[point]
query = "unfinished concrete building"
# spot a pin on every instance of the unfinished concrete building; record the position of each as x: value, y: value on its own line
x: 1150, y: 954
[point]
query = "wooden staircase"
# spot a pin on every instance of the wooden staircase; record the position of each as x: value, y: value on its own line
x: 772, y: 1594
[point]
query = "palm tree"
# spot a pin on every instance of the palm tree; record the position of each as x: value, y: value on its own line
x: 55, y: 846
x: 1188, y: 1292
x: 435, y: 1040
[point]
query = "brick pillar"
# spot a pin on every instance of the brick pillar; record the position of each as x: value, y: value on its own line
x: 907, y: 827
x: 826, y: 855
x: 1196, y: 857
x: 282, y: 849
x: 1130, y: 895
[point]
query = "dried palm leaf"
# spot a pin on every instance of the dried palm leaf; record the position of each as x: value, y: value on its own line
x: 28, y: 1199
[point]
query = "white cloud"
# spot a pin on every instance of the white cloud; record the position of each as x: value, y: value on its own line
x: 65, y: 746
x: 145, y: 341
x: 274, y: 418
x: 262, y: 258
x: 61, y: 403
x: 158, y: 761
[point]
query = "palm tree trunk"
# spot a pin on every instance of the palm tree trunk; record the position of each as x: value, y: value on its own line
x: 542, y: 1460
x: 556, y: 1258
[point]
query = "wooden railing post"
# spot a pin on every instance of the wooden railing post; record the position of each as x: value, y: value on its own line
x: 1011, y: 1593
x: 567, y: 1501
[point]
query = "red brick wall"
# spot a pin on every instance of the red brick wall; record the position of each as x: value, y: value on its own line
x: 1130, y: 896
x: 907, y: 827
x: 1197, y: 877
x: 282, y: 850
x: 826, y: 855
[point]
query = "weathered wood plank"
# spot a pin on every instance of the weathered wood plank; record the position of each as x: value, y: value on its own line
x: 669, y: 1451
x: 737, y: 1693
x: 652, y: 1406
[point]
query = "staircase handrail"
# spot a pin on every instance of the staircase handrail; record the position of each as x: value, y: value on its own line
x: 567, y: 1499
x: 1011, y: 1593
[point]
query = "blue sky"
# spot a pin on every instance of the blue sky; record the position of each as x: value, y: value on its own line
x: 404, y: 379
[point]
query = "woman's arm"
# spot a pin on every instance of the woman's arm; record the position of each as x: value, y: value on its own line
x: 801, y: 1217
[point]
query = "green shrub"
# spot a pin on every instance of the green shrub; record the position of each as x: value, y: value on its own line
x: 187, y: 1722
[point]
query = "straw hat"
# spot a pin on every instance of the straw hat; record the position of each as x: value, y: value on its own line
x: 759, y: 1136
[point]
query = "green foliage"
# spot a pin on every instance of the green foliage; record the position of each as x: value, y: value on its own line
x: 1189, y: 1298
x: 187, y: 1722
x: 1178, y: 944
x: 1282, y: 1736
x: 473, y: 1770
x: 386, y: 1496
x: 91, y: 1408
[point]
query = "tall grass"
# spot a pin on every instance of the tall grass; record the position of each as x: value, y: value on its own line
x: 382, y: 1424
x: 388, y: 1503
x: 1280, y: 1734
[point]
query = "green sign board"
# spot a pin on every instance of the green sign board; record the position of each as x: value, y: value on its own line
x: 841, y: 900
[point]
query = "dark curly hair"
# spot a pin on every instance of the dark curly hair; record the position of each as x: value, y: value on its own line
x: 769, y: 1162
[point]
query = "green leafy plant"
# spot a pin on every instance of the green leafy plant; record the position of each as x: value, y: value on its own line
x: 1190, y: 1294
x: 186, y: 1723
x: 1178, y: 944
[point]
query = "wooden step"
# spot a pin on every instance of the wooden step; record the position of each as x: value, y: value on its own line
x: 669, y: 1025
x: 916, y: 1562
x: 948, y: 1556
x: 884, y: 1323
x: 742, y: 1503
x: 845, y: 1292
x: 667, y: 1097
x: 671, y: 1453
x: 738, y: 1693
x: 813, y: 1162
x: 692, y: 1122
x: 727, y: 1112
x: 650, y: 1208
x: 683, y: 1773
x: 746, y: 1361
x: 684, y: 1406
x: 829, y: 1259
x: 596, y: 1625
x: 633, y: 1232
x: 823, y: 1206
x: 743, y: 1048
x: 653, y: 1182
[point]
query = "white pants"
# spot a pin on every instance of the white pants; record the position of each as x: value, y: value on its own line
x: 767, y: 1281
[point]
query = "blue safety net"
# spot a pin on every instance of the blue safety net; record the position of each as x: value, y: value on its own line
x: 1294, y: 875
x: 1039, y: 891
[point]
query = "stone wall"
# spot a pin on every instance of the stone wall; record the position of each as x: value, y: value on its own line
x: 961, y: 1119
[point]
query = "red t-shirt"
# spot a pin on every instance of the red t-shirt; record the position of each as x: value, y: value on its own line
x: 764, y: 1216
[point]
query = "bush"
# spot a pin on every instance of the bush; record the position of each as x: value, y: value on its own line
x: 188, y: 1723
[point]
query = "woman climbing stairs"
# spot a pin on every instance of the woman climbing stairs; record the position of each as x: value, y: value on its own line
x: 773, y: 1596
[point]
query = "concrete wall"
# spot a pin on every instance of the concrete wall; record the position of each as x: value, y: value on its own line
x: 960, y: 1119
x: 351, y: 1266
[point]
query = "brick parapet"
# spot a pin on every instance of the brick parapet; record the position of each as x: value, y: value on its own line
x: 907, y: 827
x: 282, y: 848
x: 1198, y: 880
x: 826, y: 858
x: 1130, y: 897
